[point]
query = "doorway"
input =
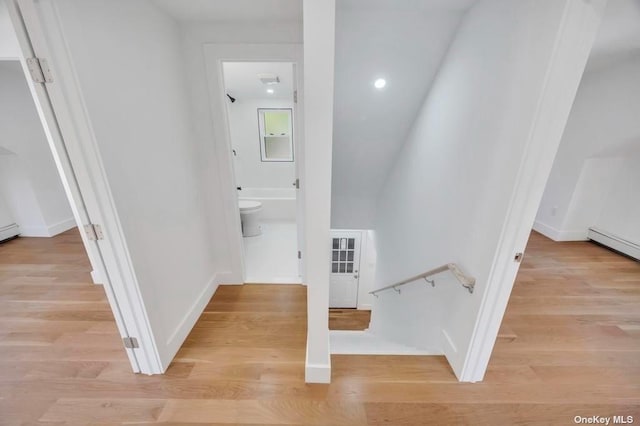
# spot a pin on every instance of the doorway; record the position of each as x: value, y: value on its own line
x: 261, y: 116
x: 33, y: 202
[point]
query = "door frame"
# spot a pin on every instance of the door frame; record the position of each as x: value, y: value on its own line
x: 215, y: 54
x: 69, y: 132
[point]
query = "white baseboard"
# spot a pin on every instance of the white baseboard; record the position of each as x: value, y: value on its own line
x: 179, y: 335
x: 451, y: 353
x: 579, y: 235
x: 560, y: 235
x: 617, y: 243
x: 95, y: 277
x: 60, y: 227
x: 9, y: 231
x: 47, y: 231
x: 34, y: 231
x: 546, y: 230
x: 365, y: 307
x: 274, y: 280
x: 317, y: 373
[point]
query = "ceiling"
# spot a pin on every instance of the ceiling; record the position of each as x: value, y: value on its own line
x: 232, y: 10
x: 408, y: 5
x: 5, y: 151
x: 404, y: 42
x: 241, y: 80
x: 619, y: 35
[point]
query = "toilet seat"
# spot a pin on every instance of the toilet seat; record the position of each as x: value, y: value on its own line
x: 248, y: 206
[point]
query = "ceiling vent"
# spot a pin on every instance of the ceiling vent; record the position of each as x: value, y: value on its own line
x: 269, y: 78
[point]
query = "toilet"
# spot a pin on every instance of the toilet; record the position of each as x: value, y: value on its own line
x: 249, y: 215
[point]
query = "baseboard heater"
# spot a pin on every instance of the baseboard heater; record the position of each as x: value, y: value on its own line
x: 613, y: 241
x: 9, y: 231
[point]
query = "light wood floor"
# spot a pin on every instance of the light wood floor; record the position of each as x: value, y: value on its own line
x: 349, y: 319
x: 570, y: 345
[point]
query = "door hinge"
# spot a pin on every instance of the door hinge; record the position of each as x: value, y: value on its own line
x: 130, y: 342
x: 296, y: 183
x: 295, y: 96
x: 94, y: 232
x: 299, y: 254
x: 39, y: 70
x: 518, y: 257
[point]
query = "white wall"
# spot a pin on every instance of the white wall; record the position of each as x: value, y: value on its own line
x: 6, y: 218
x: 367, y: 273
x: 9, y: 48
x: 29, y: 179
x: 16, y: 188
x: 135, y: 90
x: 448, y: 194
x: 597, y: 177
x: 602, y: 129
x: 352, y: 211
x: 620, y: 215
x: 250, y: 171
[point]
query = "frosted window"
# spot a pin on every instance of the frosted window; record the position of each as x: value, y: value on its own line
x: 276, y: 135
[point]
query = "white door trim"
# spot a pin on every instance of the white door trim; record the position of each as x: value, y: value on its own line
x: 70, y: 135
x: 215, y: 54
x: 579, y: 27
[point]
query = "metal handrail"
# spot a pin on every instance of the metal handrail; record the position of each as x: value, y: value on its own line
x: 466, y: 281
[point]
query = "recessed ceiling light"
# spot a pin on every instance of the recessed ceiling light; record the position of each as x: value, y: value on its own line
x: 380, y: 83
x: 270, y: 91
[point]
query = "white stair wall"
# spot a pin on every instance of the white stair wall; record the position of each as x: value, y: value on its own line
x: 414, y: 317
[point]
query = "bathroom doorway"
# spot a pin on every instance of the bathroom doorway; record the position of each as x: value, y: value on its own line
x: 260, y: 99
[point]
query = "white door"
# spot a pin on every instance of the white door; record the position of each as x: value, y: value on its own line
x: 345, y: 264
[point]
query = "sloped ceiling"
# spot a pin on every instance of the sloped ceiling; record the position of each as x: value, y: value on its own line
x: 619, y: 34
x: 232, y: 10
x: 403, y: 42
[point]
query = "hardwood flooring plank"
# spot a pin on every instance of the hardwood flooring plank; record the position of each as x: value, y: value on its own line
x: 82, y: 410
x: 349, y: 319
x: 281, y: 412
x: 399, y: 414
x: 19, y: 412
